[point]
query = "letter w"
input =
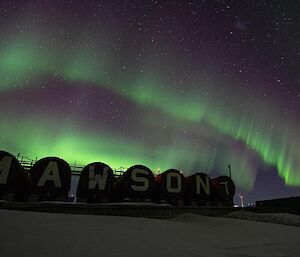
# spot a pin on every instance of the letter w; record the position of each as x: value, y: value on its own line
x: 98, y: 179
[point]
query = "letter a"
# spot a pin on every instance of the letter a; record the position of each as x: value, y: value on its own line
x: 51, y: 173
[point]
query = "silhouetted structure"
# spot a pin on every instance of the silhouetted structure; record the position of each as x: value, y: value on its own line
x: 289, y: 202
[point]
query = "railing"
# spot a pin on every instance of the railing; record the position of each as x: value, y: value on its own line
x: 76, y: 168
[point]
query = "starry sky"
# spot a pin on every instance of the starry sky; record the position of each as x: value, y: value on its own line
x: 191, y: 85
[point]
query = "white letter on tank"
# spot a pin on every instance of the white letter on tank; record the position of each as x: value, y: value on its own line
x: 171, y: 189
x: 137, y: 179
x: 99, y: 179
x: 226, y: 186
x: 205, y: 186
x: 51, y: 173
x: 4, y: 168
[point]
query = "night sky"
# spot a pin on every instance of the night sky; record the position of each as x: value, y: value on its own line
x: 191, y: 85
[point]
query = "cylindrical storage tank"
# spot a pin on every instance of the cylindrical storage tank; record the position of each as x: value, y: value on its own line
x: 223, y: 190
x: 170, y: 186
x: 95, y: 183
x: 198, y: 189
x: 51, y: 177
x: 14, y: 180
x: 135, y: 184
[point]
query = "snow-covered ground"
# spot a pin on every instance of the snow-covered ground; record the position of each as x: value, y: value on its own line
x: 189, y: 235
x: 279, y: 218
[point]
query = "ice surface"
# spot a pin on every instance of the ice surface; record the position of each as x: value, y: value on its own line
x: 189, y: 235
x: 279, y: 218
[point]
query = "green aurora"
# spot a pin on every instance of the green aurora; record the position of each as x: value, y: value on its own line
x: 24, y: 61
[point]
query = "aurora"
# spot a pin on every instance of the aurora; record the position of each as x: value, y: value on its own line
x: 146, y: 88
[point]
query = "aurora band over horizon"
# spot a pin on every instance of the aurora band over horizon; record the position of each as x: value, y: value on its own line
x: 221, y: 131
